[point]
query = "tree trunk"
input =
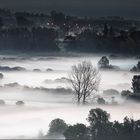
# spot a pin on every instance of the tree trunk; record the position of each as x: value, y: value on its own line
x: 78, y: 99
x: 84, y: 99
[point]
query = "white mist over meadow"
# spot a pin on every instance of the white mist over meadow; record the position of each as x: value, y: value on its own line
x: 42, y: 106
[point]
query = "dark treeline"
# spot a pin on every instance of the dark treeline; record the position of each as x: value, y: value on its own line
x: 99, y: 128
x: 106, y: 41
x: 38, y: 31
x: 39, y: 39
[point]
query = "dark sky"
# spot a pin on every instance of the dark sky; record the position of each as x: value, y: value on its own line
x: 128, y: 8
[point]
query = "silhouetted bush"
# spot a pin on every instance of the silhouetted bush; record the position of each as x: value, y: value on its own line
x: 126, y: 93
x: 2, y: 102
x: 36, y: 70
x: 20, y: 103
x: 56, y: 129
x: 76, y: 132
x: 49, y: 69
x: 101, y: 101
x: 6, y: 68
x: 1, y: 76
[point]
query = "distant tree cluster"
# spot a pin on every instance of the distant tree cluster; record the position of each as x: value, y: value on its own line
x: 18, y: 103
x: 136, y: 84
x: 135, y: 93
x: 57, y: 17
x: 136, y: 68
x: 36, y: 39
x: 100, y: 128
x: 105, y: 35
x: 104, y: 63
x: 22, y: 21
x: 107, y: 42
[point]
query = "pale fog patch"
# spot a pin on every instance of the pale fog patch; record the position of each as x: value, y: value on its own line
x: 47, y: 94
